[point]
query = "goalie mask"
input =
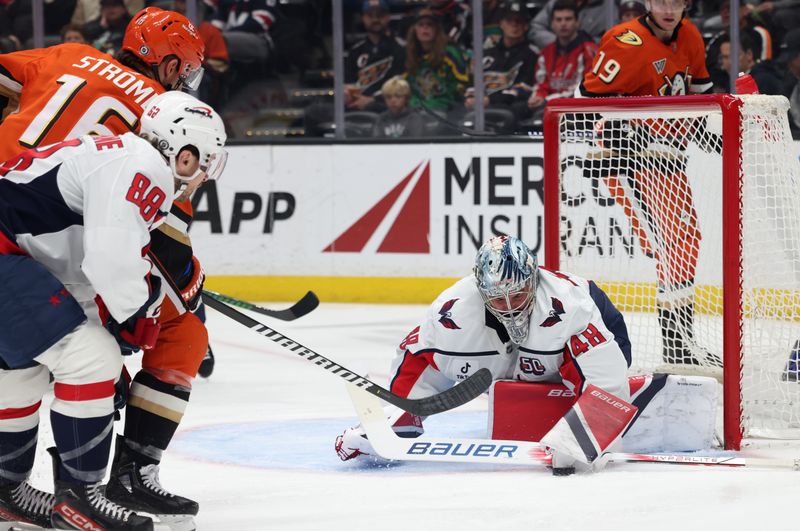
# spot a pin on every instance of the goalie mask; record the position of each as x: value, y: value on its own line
x: 506, y: 273
x: 174, y: 120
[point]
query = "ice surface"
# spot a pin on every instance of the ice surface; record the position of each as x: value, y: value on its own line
x: 256, y: 450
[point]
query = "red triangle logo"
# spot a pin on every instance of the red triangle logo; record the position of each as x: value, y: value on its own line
x: 410, y: 231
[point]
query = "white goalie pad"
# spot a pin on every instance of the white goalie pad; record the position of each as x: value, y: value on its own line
x: 676, y: 414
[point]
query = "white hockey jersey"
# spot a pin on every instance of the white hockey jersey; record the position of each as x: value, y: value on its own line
x: 576, y: 337
x: 84, y: 208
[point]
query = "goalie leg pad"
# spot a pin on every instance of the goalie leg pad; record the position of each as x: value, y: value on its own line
x: 591, y: 425
x: 676, y: 413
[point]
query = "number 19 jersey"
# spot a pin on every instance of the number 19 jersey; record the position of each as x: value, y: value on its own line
x: 66, y: 91
x: 632, y: 61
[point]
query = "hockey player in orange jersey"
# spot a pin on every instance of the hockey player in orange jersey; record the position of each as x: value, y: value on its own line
x: 658, y: 54
x: 69, y: 90
x: 73, y: 89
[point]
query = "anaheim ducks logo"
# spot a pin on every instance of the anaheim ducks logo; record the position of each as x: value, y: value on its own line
x: 499, y: 81
x: 372, y: 73
x: 629, y: 37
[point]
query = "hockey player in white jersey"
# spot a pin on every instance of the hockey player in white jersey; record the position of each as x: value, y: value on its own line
x: 76, y: 291
x: 520, y: 321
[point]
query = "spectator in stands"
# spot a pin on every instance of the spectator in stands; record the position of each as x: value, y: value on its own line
x: 373, y: 60
x: 630, y: 9
x: 784, y: 14
x: 790, y: 56
x: 435, y: 69
x: 9, y: 42
x: 213, y: 88
x: 73, y: 33
x: 591, y: 19
x: 563, y: 63
x: 246, y: 26
x: 20, y: 12
x: 759, y: 35
x: 492, y: 13
x: 107, y: 31
x: 455, y: 18
x: 88, y: 10
x: 398, y: 120
x: 508, y: 65
x: 766, y: 74
x: 368, y: 64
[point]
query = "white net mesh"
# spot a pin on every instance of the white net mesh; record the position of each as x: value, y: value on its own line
x: 641, y: 214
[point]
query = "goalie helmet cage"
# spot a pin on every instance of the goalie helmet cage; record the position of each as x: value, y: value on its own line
x: 686, y: 210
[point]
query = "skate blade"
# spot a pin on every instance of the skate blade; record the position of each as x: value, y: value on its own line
x: 689, y: 370
x: 172, y: 522
x: 19, y: 526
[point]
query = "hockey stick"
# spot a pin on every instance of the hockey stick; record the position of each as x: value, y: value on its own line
x: 457, y: 395
x: 304, y: 306
x: 389, y: 446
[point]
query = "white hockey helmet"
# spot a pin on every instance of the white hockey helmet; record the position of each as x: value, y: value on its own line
x: 174, y: 120
x: 506, y: 272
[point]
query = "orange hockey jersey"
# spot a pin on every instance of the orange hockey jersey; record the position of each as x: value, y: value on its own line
x: 65, y: 91
x: 632, y: 61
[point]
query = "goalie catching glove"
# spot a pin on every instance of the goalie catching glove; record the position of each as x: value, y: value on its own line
x: 140, y: 330
x: 353, y: 442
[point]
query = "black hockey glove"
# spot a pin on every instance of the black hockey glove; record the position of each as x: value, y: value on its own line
x: 121, y: 389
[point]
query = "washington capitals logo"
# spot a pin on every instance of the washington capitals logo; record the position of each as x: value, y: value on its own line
x: 445, y: 316
x: 202, y: 111
x: 554, y: 318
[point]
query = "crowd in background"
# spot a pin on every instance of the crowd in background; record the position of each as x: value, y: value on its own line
x: 269, y: 63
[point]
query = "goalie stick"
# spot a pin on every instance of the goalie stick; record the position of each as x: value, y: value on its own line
x: 304, y: 306
x: 521, y: 453
x: 457, y: 395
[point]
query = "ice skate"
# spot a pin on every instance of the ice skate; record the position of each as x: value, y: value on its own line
x: 21, y: 503
x: 138, y: 488
x: 85, y: 506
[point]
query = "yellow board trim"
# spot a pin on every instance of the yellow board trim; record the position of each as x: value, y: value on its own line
x: 627, y: 296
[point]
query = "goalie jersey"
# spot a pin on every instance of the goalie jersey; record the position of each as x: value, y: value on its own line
x: 83, y: 208
x: 576, y: 336
x: 632, y: 61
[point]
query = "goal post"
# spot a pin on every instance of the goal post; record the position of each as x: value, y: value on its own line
x: 686, y: 210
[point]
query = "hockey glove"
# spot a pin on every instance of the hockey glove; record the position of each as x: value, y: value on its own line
x: 121, y: 390
x: 353, y: 443
x: 194, y: 288
x: 622, y: 136
x: 140, y: 330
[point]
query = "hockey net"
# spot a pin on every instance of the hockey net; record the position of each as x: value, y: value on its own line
x: 686, y: 211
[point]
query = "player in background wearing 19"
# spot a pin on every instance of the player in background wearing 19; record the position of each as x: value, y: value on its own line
x: 75, y: 222
x: 521, y: 322
x: 73, y: 89
x: 658, y: 54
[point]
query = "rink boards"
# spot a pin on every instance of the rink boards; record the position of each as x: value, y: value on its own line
x: 397, y: 222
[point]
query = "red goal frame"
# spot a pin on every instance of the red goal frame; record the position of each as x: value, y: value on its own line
x: 730, y: 106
